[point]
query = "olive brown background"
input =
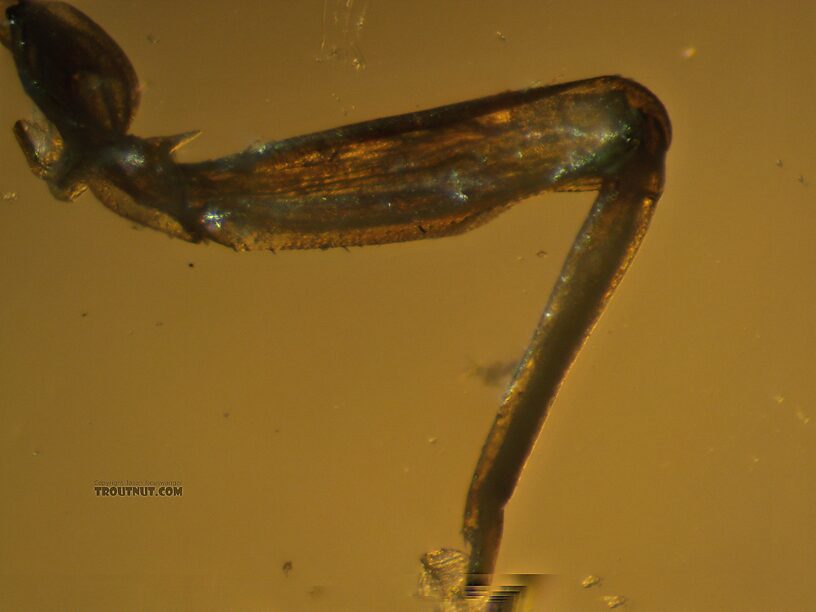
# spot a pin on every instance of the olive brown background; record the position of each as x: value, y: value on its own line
x: 327, y: 408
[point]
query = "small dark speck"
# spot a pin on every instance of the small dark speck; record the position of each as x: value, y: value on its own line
x: 422, y: 229
x: 542, y: 253
x: 346, y: 249
x: 152, y: 39
x: 159, y: 324
x: 84, y: 314
x: 35, y: 453
x: 287, y: 568
x: 779, y: 163
x: 277, y: 431
x: 190, y: 264
x: 802, y: 180
x: 226, y: 415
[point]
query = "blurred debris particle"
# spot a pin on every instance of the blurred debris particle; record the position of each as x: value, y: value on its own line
x: 590, y: 581
x: 495, y: 373
x: 614, y: 601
